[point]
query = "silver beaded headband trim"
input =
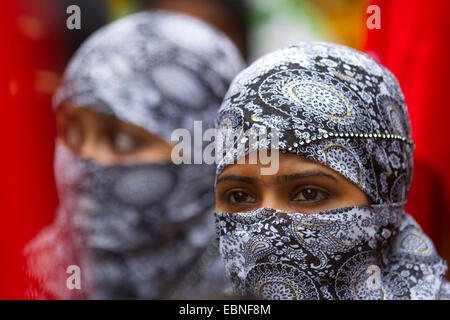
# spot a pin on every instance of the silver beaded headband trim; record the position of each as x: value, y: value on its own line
x: 355, y: 135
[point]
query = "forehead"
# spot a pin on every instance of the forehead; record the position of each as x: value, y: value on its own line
x: 94, y: 119
x: 288, y: 163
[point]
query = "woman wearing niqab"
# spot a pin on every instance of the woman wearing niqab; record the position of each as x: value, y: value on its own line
x: 135, y: 230
x: 339, y: 112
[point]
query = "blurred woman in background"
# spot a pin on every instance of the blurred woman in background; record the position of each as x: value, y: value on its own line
x: 135, y: 223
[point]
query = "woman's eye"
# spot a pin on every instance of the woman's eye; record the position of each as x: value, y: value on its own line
x: 240, y: 198
x: 124, y: 142
x: 73, y: 134
x: 310, y: 195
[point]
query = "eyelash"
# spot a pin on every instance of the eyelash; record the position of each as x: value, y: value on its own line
x: 325, y: 195
x: 229, y: 194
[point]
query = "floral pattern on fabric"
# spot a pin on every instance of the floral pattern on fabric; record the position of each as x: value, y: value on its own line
x: 347, y: 253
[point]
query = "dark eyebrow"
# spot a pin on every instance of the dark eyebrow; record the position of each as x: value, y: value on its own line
x: 232, y: 177
x: 305, y: 174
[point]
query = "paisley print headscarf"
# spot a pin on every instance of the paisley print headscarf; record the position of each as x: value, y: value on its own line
x: 134, y: 230
x: 336, y: 106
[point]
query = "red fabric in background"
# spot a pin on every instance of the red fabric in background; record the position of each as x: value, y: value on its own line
x: 414, y: 43
x: 30, y: 63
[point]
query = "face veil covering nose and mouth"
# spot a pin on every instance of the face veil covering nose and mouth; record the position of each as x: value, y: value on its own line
x: 336, y: 106
x: 137, y: 230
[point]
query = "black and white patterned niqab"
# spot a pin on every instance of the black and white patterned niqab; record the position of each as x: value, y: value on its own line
x: 336, y: 106
x: 137, y: 230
